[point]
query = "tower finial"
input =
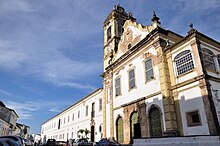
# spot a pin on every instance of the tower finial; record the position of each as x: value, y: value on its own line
x: 191, y: 26
x: 155, y: 20
x: 191, y: 29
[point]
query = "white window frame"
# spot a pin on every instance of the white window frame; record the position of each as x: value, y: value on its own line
x: 209, y: 55
x: 147, y: 70
x: 100, y: 104
x: 118, y: 87
x: 87, y: 110
x: 181, y: 66
x: 129, y: 80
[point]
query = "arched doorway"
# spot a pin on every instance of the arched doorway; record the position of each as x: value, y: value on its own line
x: 119, y: 130
x: 135, y: 128
x: 92, y: 138
x: 155, y: 122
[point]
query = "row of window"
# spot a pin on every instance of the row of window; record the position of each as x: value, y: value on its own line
x: 60, y: 122
x: 183, y: 62
x: 149, y: 74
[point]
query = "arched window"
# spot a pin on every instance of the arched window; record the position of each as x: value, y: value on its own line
x: 218, y: 57
x: 119, y: 130
x: 155, y: 122
x: 208, y: 59
x: 184, y: 62
x: 109, y: 33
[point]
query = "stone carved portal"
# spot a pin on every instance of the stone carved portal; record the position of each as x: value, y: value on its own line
x: 135, y: 128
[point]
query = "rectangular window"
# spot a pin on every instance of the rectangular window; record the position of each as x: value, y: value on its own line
x: 108, y: 94
x: 100, y: 104
x: 68, y: 119
x: 149, y: 70
x: 78, y: 114
x: 87, y: 108
x: 73, y: 117
x: 64, y: 120
x: 93, y: 110
x: 193, y: 119
x: 117, y: 87
x: 131, y: 79
x: 59, y: 123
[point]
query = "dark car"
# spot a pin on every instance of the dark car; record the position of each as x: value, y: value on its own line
x: 7, y: 142
x: 107, y: 142
x: 82, y: 142
x: 17, y: 139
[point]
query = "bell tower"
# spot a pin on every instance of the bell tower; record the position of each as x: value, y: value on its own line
x: 113, y: 29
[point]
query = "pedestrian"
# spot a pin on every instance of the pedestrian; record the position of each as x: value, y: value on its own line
x: 67, y: 142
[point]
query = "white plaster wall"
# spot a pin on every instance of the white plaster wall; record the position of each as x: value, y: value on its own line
x: 142, y: 89
x: 83, y: 122
x: 108, y: 119
x: 190, y: 100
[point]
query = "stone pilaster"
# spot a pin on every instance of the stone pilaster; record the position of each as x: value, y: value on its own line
x: 175, y: 93
x: 168, y: 101
x: 111, y: 105
x: 126, y: 126
x: 144, y: 123
x: 104, y: 109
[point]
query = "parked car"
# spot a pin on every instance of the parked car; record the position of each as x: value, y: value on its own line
x: 27, y: 142
x: 82, y: 142
x: 107, y: 142
x: 7, y: 142
x: 17, y: 139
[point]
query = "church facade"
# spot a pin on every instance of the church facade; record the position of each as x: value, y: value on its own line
x: 156, y: 83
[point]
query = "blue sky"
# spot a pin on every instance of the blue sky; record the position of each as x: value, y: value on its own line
x: 51, y: 50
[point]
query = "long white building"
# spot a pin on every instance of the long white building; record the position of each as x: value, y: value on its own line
x: 156, y: 83
x: 83, y: 115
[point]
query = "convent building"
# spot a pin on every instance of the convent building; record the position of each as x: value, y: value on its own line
x: 156, y: 83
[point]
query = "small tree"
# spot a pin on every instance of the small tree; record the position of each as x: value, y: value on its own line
x: 81, y: 131
x: 86, y: 132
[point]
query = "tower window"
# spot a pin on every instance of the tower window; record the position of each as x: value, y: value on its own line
x: 184, y: 62
x: 109, y: 33
x: 218, y: 57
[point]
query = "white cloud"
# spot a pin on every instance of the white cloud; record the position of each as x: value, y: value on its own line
x: 78, y: 85
x: 15, y: 5
x: 201, y: 5
x: 28, y: 109
x: 5, y: 92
